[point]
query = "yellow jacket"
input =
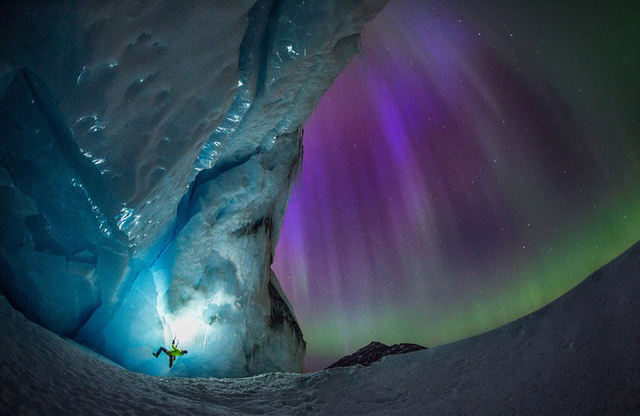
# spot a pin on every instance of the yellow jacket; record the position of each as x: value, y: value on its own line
x: 175, y: 352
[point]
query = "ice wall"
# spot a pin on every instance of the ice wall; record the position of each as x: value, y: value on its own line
x: 146, y: 159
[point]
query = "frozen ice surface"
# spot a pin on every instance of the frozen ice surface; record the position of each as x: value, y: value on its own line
x: 140, y: 85
x: 147, y: 157
x: 578, y: 355
x: 53, y: 226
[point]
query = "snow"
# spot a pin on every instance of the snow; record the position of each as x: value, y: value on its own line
x: 579, y: 355
x: 148, y: 154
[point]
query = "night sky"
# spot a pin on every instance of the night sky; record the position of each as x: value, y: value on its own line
x: 473, y: 164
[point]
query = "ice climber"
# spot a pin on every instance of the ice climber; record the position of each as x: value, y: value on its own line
x: 173, y: 353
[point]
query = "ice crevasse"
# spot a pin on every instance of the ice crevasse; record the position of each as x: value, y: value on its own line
x: 147, y: 153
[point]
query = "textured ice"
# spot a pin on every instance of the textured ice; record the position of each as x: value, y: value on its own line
x: 147, y: 156
x: 53, y: 227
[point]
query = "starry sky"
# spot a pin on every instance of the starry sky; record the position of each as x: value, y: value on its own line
x: 474, y: 163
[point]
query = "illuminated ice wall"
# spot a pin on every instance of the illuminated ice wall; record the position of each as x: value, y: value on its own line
x: 147, y: 154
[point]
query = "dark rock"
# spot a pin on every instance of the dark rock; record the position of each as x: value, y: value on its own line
x: 374, y: 352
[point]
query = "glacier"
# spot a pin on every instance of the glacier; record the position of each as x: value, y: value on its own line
x: 147, y: 156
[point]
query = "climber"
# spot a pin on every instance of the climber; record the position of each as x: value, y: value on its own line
x: 173, y: 354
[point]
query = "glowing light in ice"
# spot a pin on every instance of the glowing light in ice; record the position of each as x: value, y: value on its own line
x: 189, y: 325
x: 189, y: 328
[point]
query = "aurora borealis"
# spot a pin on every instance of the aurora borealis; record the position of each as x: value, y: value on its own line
x: 475, y: 163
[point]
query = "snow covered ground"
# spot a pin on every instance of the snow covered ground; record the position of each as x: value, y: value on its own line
x: 579, y: 355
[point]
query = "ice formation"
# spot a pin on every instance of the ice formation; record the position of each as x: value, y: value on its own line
x: 146, y: 159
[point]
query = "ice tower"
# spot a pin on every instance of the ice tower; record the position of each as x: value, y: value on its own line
x: 147, y: 152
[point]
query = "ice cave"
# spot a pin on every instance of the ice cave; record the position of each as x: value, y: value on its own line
x: 146, y: 167
x: 148, y: 152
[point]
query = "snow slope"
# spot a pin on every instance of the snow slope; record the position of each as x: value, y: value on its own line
x: 579, y: 355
